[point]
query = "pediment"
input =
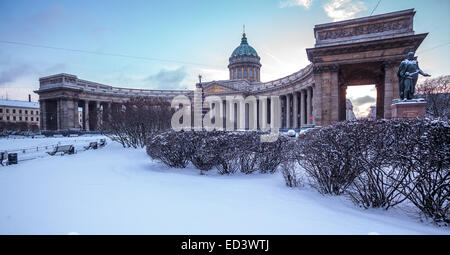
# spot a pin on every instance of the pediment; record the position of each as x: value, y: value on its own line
x: 216, y: 89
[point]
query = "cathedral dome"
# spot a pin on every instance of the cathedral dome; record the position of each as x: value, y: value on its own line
x: 244, y: 62
x: 244, y: 49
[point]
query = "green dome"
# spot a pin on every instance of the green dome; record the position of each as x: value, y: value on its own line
x: 244, y: 49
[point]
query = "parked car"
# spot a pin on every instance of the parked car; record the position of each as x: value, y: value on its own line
x: 291, y: 133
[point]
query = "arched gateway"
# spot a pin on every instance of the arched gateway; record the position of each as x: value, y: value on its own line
x: 353, y: 52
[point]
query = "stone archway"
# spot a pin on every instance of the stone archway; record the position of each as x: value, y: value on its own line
x: 356, y: 52
x: 361, y: 74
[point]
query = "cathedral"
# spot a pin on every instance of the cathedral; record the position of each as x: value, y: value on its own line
x: 354, y: 52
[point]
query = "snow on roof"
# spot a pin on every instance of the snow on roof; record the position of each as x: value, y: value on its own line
x: 17, y: 103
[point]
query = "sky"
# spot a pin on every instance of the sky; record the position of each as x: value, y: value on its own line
x: 167, y: 44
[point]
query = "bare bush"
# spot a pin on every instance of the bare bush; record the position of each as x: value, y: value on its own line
x: 132, y: 123
x: 326, y: 155
x: 169, y: 148
x: 382, y: 163
x: 206, y: 149
x: 437, y: 93
x: 428, y: 157
x: 18, y: 126
x: 291, y: 175
x: 382, y: 177
x: 229, y: 152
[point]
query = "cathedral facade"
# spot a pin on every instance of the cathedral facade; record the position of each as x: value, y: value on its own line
x: 354, y: 52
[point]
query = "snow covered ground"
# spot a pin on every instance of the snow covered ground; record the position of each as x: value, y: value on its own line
x: 122, y: 191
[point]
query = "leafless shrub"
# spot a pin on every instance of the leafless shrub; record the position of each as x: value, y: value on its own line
x: 229, y: 152
x: 437, y: 93
x: 169, y: 148
x: 18, y: 126
x: 326, y: 155
x: 383, y: 163
x: 136, y: 120
x: 382, y: 177
x: 427, y: 155
x: 290, y: 174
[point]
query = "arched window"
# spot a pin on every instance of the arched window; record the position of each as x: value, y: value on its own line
x: 234, y: 74
x: 245, y: 73
x: 240, y: 74
x: 251, y: 73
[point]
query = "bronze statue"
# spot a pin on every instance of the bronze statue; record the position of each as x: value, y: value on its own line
x: 408, y: 73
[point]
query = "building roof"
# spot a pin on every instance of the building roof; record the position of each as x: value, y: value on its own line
x: 17, y: 103
x: 244, y: 49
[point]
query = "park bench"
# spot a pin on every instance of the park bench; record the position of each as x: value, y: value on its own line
x: 102, y: 142
x: 64, y: 149
x: 3, y: 156
x: 92, y: 145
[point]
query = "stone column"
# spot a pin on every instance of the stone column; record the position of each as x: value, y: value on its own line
x: 279, y: 112
x: 288, y: 111
x: 295, y: 109
x: 224, y: 117
x: 342, y: 102
x: 58, y: 114
x: 76, y: 121
x: 99, y: 116
x: 308, y: 105
x: 109, y: 113
x: 313, y: 104
x: 389, y: 75
x: 86, y: 115
x: 334, y: 97
x: 302, y: 108
x: 380, y: 101
x: 63, y: 114
x: 43, y: 114
x: 326, y: 94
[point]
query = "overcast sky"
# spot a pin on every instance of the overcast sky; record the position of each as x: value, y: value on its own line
x: 171, y: 42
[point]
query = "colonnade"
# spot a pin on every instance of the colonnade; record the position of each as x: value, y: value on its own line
x: 297, y: 108
x: 64, y: 113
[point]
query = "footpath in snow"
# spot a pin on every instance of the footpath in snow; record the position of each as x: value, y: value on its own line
x: 122, y: 191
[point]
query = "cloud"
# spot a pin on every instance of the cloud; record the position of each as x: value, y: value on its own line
x: 291, y: 3
x: 168, y: 79
x: 47, y: 16
x: 12, y: 73
x: 343, y: 9
x: 363, y: 100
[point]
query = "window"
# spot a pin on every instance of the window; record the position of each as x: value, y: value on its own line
x: 7, y: 118
x: 32, y: 119
x: 240, y: 74
x: 20, y: 111
x: 20, y: 118
x: 7, y: 110
x: 234, y: 74
x: 251, y: 73
x: 26, y: 111
x: 14, y: 110
x: 26, y: 118
x: 37, y: 118
x: 245, y: 73
x: 31, y: 112
x: 1, y: 117
x: 14, y: 118
x: 1, y: 109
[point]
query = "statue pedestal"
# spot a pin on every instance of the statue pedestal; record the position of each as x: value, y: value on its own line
x: 414, y: 108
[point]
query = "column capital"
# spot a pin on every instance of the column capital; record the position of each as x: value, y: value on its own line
x: 326, y: 68
x: 389, y: 64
